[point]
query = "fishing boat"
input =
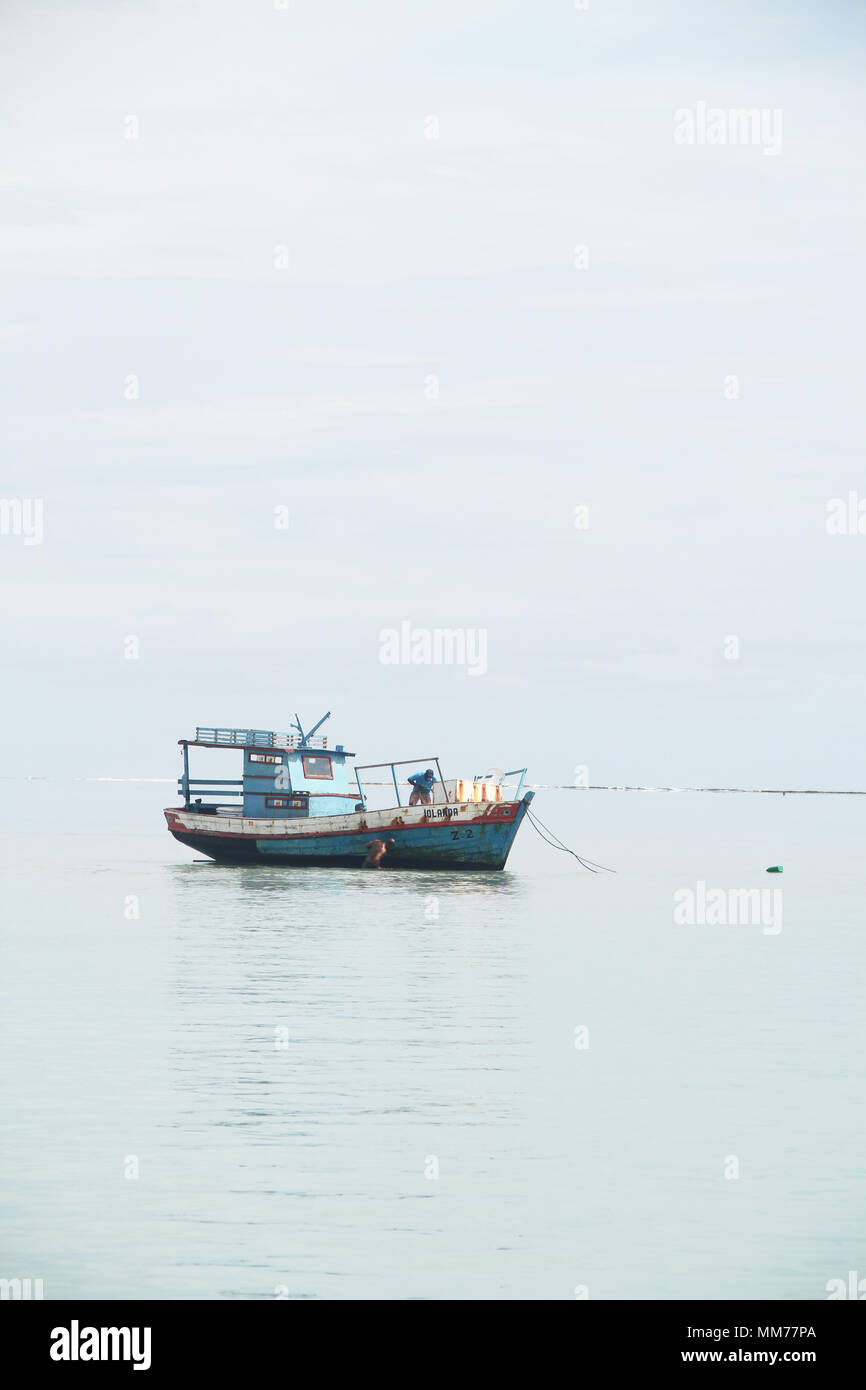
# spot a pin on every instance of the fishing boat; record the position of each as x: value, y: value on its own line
x: 295, y: 804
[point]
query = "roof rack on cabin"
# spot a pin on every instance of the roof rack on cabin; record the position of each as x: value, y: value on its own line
x: 252, y: 738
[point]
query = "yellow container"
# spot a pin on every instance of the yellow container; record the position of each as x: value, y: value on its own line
x: 464, y: 789
x: 490, y: 791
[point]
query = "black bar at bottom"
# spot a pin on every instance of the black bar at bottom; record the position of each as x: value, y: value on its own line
x: 170, y: 1339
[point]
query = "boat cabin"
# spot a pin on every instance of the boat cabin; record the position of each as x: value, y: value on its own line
x: 285, y: 776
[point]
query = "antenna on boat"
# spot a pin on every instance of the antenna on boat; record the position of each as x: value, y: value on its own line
x: 305, y: 738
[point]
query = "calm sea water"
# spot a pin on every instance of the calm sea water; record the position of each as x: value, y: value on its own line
x: 338, y: 1084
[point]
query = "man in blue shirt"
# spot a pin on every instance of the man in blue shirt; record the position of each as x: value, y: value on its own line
x: 422, y: 787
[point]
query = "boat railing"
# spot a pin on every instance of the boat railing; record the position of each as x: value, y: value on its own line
x: 516, y: 775
x: 253, y: 738
x: 504, y: 778
x: 402, y: 762
x: 195, y: 788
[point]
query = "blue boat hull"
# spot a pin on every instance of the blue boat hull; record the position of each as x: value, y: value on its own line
x: 482, y: 844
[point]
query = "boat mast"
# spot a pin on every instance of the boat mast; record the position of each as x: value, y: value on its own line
x: 305, y: 738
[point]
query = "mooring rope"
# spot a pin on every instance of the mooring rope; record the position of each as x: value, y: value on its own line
x: 556, y: 843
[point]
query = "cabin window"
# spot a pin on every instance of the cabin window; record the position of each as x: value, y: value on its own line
x: 265, y: 758
x: 278, y: 802
x: 319, y: 766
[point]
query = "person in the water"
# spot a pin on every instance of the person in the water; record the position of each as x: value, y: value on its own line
x: 376, y: 851
x: 422, y: 787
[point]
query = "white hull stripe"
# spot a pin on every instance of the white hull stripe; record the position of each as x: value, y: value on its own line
x: 302, y: 828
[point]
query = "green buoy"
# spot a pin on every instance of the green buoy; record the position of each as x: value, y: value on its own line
x: 775, y: 869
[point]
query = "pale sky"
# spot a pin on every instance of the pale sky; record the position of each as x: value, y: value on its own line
x: 284, y: 259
